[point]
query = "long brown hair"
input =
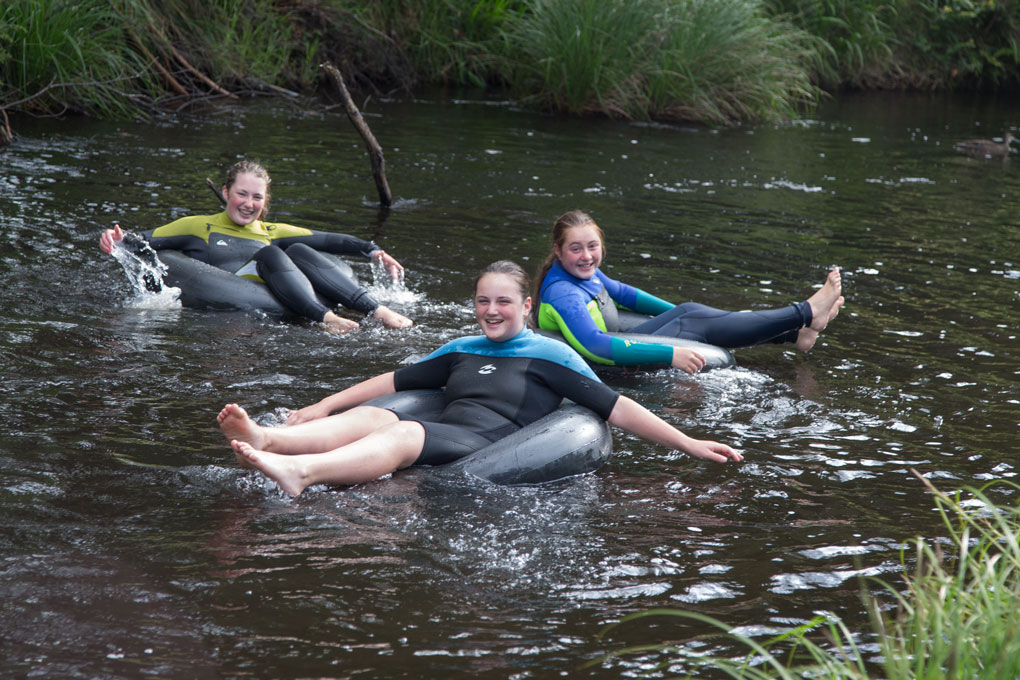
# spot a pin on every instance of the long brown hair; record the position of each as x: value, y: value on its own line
x: 515, y: 272
x: 252, y: 168
x: 565, y: 222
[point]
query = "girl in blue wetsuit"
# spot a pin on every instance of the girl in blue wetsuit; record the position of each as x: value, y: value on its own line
x: 577, y: 299
x: 283, y: 256
x: 494, y: 384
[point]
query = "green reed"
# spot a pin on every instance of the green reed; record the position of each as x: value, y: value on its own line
x: 459, y: 42
x: 958, y: 616
x: 235, y: 44
x: 722, y: 62
x: 910, y: 43
x: 68, y: 56
x: 954, y: 616
x: 717, y: 61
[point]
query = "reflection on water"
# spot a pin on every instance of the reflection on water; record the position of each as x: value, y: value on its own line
x: 134, y: 546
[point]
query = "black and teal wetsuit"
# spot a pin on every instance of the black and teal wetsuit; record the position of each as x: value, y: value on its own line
x: 571, y: 306
x: 282, y: 256
x: 496, y: 388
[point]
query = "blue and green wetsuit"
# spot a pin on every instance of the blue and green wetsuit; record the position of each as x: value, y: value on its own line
x: 496, y: 388
x: 282, y: 256
x: 571, y: 306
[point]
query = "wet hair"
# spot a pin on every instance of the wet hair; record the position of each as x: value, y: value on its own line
x: 515, y: 272
x: 251, y: 168
x: 564, y: 223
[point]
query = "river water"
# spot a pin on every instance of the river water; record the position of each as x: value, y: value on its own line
x: 133, y: 546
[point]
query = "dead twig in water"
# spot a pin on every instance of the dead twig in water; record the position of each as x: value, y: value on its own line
x: 375, y: 153
x: 6, y: 136
x: 213, y: 188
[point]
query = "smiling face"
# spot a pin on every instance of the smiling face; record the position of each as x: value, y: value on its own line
x: 500, y: 307
x: 581, y: 251
x: 246, y: 198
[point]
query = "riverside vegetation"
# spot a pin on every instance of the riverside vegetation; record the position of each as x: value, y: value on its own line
x: 953, y: 616
x: 712, y: 61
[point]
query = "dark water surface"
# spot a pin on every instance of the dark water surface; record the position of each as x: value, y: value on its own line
x: 133, y: 546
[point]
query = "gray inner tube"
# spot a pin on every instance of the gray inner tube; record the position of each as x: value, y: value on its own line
x: 715, y: 357
x: 206, y: 287
x: 570, y: 441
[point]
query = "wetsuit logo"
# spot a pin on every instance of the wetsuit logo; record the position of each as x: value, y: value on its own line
x: 487, y: 369
x: 221, y: 242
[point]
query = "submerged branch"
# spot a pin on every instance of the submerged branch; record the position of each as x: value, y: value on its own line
x: 6, y: 136
x: 375, y: 153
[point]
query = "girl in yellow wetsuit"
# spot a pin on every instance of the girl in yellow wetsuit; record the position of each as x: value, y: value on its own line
x: 283, y: 256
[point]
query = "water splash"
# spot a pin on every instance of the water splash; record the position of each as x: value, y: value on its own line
x: 385, y: 289
x: 145, y: 272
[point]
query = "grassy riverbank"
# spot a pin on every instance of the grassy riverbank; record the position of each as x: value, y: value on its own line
x: 953, y: 615
x: 712, y: 61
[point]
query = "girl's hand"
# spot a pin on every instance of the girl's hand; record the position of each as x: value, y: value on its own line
x: 395, y: 269
x: 687, y: 360
x: 110, y: 238
x: 710, y: 450
x: 313, y: 412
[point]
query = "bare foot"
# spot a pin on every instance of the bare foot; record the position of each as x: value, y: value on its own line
x: 807, y: 336
x: 235, y: 424
x: 284, y: 470
x: 806, y: 339
x: 825, y: 300
x: 339, y: 325
x: 391, y: 318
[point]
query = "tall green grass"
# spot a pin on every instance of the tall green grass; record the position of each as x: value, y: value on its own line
x: 68, y: 56
x: 585, y: 56
x: 959, y: 616
x: 717, y: 61
x: 955, y: 616
x: 855, y: 38
x: 910, y: 43
x: 235, y: 44
x: 722, y: 61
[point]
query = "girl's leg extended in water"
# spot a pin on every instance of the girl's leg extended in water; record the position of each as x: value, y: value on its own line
x: 695, y: 321
x: 394, y: 445
x: 332, y: 283
x: 313, y: 436
x: 290, y: 286
x: 329, y: 280
x: 293, y: 289
x: 800, y: 322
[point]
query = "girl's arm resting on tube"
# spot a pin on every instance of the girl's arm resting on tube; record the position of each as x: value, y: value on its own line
x: 631, y: 416
x: 353, y: 396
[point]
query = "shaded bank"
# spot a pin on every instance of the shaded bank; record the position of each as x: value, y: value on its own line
x: 711, y: 61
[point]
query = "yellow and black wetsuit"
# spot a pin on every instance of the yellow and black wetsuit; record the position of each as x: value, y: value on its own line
x: 282, y: 256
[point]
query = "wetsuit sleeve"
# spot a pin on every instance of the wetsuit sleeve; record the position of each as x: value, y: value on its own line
x: 579, y: 389
x: 430, y: 373
x: 285, y: 235
x: 565, y: 309
x: 646, y: 303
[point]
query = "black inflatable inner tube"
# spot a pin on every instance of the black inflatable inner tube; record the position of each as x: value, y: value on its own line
x: 206, y: 287
x: 715, y: 357
x: 570, y: 441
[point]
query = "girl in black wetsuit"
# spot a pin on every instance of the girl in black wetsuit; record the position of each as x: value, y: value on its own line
x: 283, y: 256
x: 494, y: 384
